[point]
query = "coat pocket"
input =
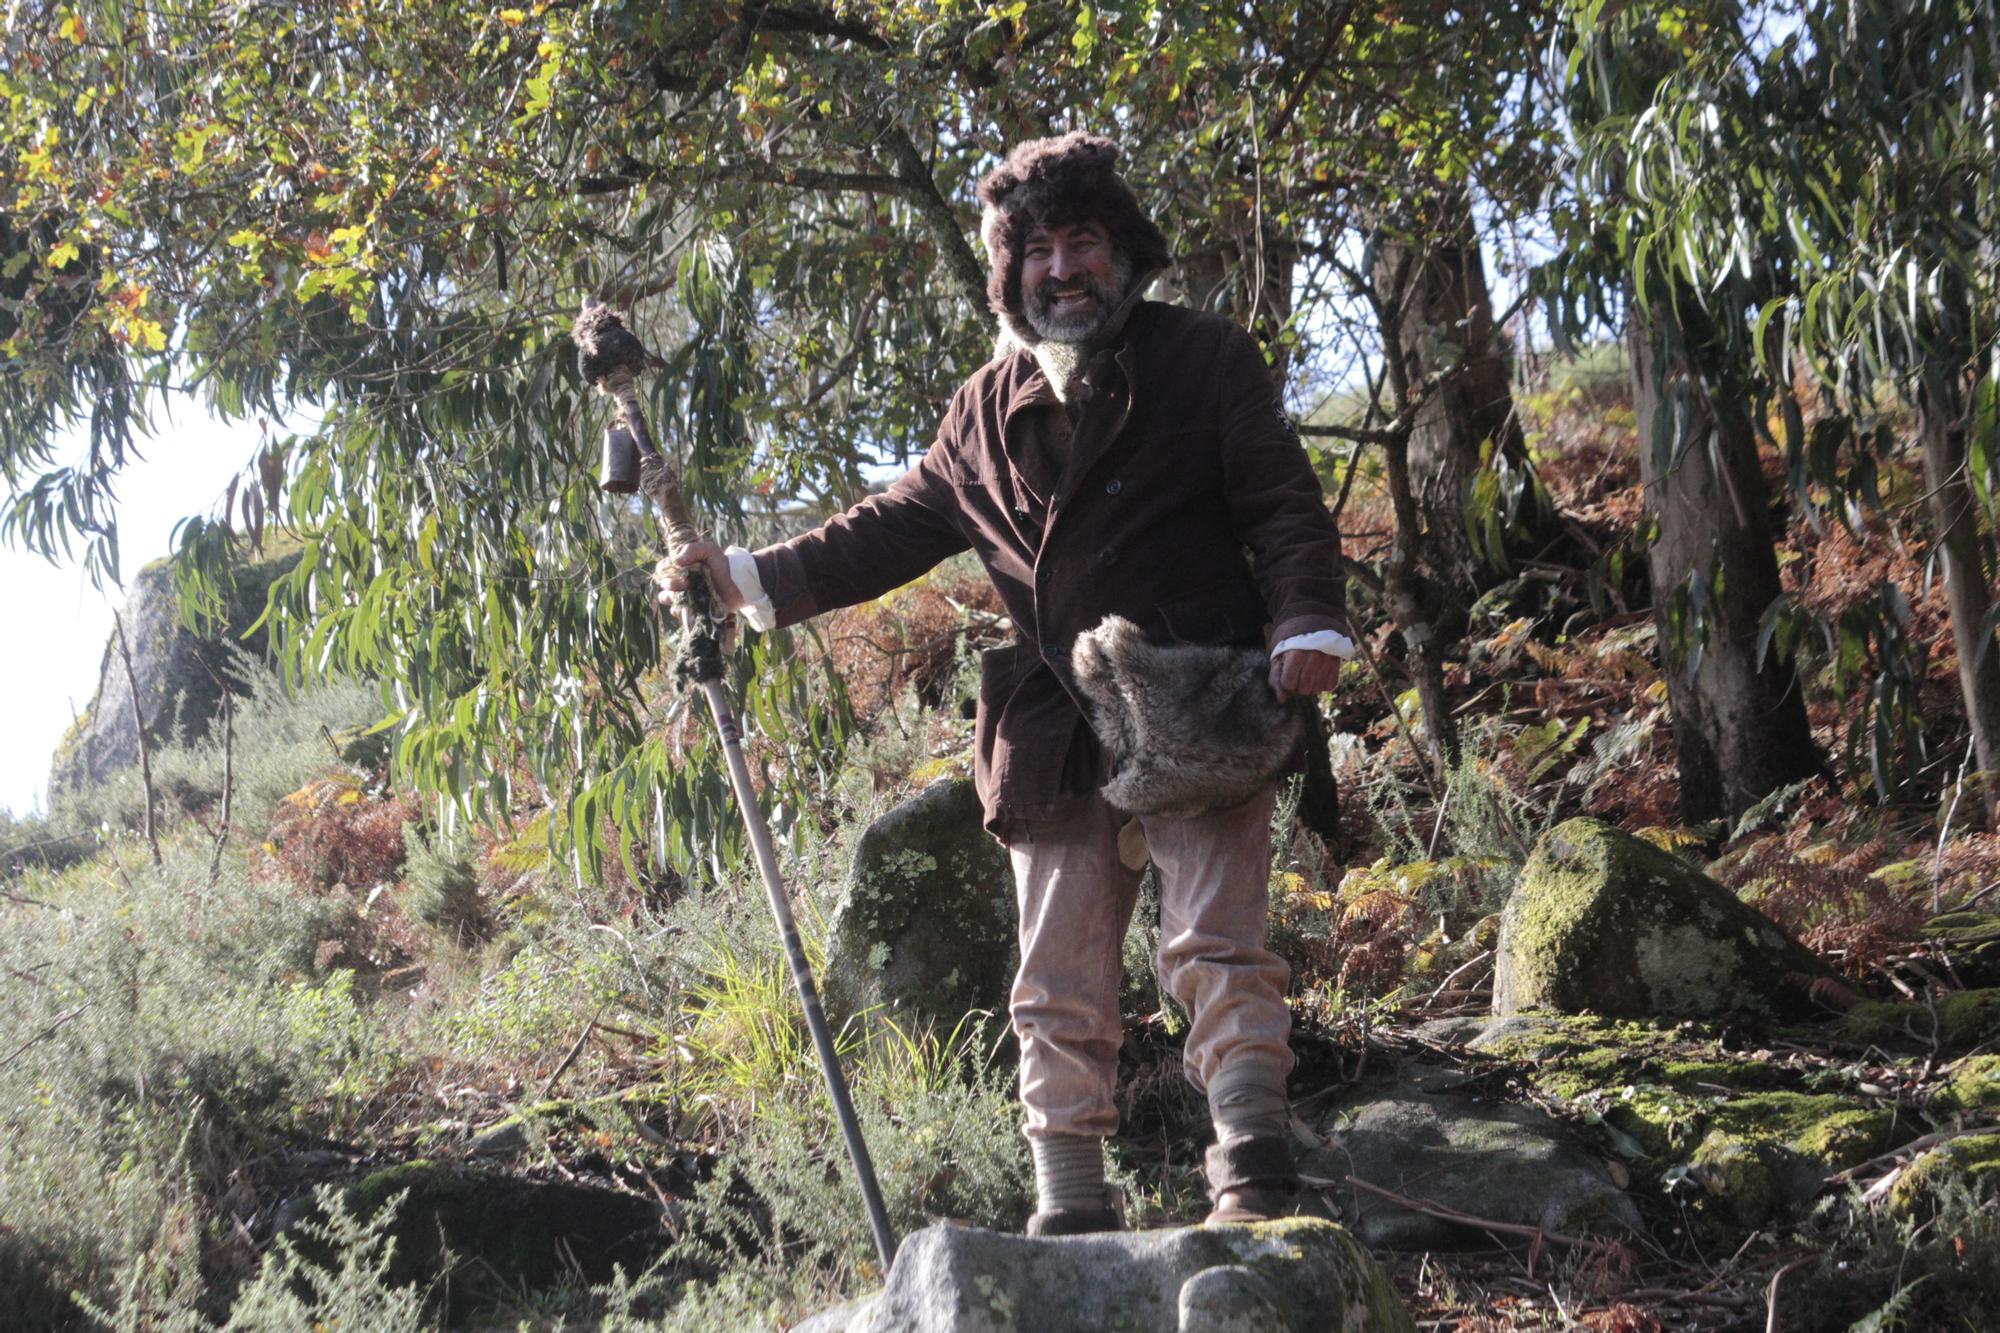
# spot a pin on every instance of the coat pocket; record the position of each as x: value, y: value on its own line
x: 1226, y: 614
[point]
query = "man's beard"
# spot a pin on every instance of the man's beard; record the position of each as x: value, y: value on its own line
x: 1085, y: 325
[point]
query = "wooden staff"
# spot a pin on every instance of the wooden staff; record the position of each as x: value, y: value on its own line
x: 610, y: 358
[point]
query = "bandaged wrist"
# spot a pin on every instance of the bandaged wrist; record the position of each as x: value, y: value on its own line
x: 1329, y: 641
x: 756, y: 610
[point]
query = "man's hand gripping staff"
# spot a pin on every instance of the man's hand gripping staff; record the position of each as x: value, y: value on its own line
x: 610, y: 358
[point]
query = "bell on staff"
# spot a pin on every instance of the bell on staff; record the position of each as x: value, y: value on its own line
x: 619, y: 474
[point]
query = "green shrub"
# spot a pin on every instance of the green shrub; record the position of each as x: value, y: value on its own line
x: 441, y: 887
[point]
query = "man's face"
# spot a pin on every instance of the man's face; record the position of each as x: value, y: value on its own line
x: 1071, y: 277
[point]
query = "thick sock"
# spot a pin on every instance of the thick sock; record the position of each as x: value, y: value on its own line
x: 1069, y: 1172
x: 1248, y: 1101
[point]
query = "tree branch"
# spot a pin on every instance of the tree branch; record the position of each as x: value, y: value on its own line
x: 920, y: 187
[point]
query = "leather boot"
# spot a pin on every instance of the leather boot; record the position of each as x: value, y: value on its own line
x: 1251, y: 1180
x: 1077, y: 1221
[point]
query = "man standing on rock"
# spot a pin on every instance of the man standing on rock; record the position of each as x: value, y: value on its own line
x: 1117, y: 457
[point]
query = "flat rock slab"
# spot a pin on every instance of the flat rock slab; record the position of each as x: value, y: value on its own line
x: 1506, y: 1163
x: 1302, y: 1275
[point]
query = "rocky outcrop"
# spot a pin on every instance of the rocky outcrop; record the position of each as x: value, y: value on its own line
x: 1298, y: 1276
x: 1678, y: 1105
x: 925, y: 927
x: 1504, y: 1163
x: 1607, y: 923
x: 177, y: 673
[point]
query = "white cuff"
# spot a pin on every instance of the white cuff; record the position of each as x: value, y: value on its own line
x: 1329, y: 641
x: 756, y: 610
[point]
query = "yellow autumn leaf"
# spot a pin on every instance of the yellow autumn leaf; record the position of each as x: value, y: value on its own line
x: 72, y: 29
x: 60, y: 256
x: 513, y: 18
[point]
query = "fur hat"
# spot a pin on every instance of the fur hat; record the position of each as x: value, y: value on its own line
x: 1058, y: 182
x: 1192, y: 727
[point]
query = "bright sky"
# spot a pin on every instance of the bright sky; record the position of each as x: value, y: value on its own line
x: 63, y: 622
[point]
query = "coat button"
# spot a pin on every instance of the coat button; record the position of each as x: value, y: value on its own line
x: 1113, y: 486
x: 1049, y: 649
x: 1042, y: 574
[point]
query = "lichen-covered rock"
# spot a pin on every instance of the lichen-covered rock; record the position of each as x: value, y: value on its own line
x: 925, y: 927
x: 177, y: 672
x: 1608, y: 923
x: 1302, y: 1275
x: 1508, y: 1163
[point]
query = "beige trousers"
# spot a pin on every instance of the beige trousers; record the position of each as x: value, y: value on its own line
x: 1076, y: 900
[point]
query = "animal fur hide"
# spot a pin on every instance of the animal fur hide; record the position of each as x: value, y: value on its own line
x: 1191, y: 727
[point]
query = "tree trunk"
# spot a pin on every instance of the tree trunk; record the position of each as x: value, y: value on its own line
x: 1955, y: 524
x: 1246, y: 278
x: 1740, y: 731
x: 1439, y: 284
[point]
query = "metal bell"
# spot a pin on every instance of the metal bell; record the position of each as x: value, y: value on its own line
x: 619, y: 474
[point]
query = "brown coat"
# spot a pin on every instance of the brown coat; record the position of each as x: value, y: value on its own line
x: 1187, y: 506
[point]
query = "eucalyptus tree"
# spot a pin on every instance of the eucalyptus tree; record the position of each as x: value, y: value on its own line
x: 378, y: 218
x: 1833, y: 179
x: 1893, y: 211
x: 1657, y: 99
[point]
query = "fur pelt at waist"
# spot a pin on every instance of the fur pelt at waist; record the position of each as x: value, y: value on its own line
x: 1191, y: 727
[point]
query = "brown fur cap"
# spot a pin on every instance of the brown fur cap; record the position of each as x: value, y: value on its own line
x: 1059, y: 182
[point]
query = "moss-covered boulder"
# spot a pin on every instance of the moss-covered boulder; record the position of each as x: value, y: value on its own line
x: 1608, y: 923
x: 925, y: 927
x: 1302, y: 1275
x: 1970, y: 1164
x: 1953, y: 1021
x: 1970, y: 1086
x: 1767, y: 1154
x: 480, y: 1237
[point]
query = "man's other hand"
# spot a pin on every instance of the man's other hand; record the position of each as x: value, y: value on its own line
x: 1303, y: 671
x: 671, y: 574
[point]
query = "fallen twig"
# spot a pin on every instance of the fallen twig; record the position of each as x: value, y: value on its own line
x: 1771, y: 1294
x: 569, y: 1057
x: 1456, y: 973
x: 1913, y: 1147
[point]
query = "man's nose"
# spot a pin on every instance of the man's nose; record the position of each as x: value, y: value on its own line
x: 1061, y: 262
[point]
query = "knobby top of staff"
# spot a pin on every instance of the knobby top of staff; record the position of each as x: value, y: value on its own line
x: 604, y: 345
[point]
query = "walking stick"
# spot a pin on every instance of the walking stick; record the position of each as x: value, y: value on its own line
x: 610, y: 357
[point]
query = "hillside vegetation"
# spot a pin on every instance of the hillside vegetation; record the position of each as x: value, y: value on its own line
x: 256, y: 1083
